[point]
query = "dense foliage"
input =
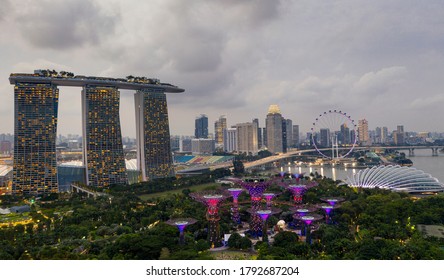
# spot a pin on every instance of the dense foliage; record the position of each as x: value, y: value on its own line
x: 371, y: 224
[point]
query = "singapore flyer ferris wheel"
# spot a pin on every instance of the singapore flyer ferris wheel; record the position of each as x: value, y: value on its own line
x: 334, y: 134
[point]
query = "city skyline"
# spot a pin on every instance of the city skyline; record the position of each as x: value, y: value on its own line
x: 362, y: 58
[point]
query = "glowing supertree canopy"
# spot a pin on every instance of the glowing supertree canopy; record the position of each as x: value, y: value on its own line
x: 332, y: 200
x: 269, y: 197
x: 303, y: 210
x: 308, y: 220
x: 181, y: 223
x: 212, y: 200
x: 328, y: 209
x: 235, y: 192
x: 297, y: 185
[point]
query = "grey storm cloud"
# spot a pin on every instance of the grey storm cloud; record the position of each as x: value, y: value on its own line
x: 65, y: 24
x: 4, y: 8
x: 382, y: 60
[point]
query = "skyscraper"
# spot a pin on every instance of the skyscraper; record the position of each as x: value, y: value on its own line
x: 345, y: 135
x: 36, y: 107
x: 35, y: 130
x: 284, y: 135
x: 325, y: 137
x: 230, y: 139
x: 201, y: 127
x: 219, y: 127
x: 363, y: 136
x: 153, y: 135
x: 289, y: 132
x: 274, y: 130
x: 259, y: 134
x: 295, y: 136
x: 247, y: 138
x: 102, y: 139
x: 384, y: 134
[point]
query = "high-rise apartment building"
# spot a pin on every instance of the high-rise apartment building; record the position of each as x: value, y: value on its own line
x: 35, y: 131
x: 274, y: 130
x: 219, y: 127
x: 102, y: 139
x: 201, y: 127
x: 247, y: 138
x: 153, y: 135
x: 363, y: 135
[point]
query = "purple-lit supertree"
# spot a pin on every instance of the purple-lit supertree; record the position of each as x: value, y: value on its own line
x: 235, y: 192
x: 268, y: 198
x: 297, y: 185
x: 308, y: 220
x: 255, y: 187
x: 264, y: 214
x: 181, y: 223
x: 212, y: 200
x: 300, y: 211
x: 328, y: 209
x: 332, y: 200
x: 333, y: 203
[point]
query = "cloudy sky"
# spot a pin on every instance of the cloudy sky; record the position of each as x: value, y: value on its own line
x: 380, y: 60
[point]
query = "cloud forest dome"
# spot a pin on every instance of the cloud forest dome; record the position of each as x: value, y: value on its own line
x: 396, y: 178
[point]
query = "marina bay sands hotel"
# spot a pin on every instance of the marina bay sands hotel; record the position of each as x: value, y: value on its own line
x: 36, y: 106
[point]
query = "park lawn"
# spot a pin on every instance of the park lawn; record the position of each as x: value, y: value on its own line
x: 178, y: 191
x: 233, y: 255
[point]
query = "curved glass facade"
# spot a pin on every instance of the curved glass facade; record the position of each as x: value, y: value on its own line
x: 396, y: 178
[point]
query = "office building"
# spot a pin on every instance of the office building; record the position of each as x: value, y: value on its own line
x: 185, y: 145
x: 289, y: 133
x: 230, y: 140
x: 296, y: 139
x: 259, y: 134
x: 345, y: 135
x: 202, y: 146
x: 102, y: 141
x: 363, y: 135
x: 201, y: 127
x: 274, y: 122
x: 324, y: 136
x: 247, y: 138
x: 219, y: 127
x: 384, y: 135
x: 153, y: 135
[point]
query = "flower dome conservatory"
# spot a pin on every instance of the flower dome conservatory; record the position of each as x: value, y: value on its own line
x: 396, y: 178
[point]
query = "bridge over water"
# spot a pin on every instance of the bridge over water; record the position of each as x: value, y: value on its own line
x: 271, y: 159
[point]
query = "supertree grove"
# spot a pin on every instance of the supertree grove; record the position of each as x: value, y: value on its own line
x: 255, y: 187
x: 212, y: 200
x: 181, y: 223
